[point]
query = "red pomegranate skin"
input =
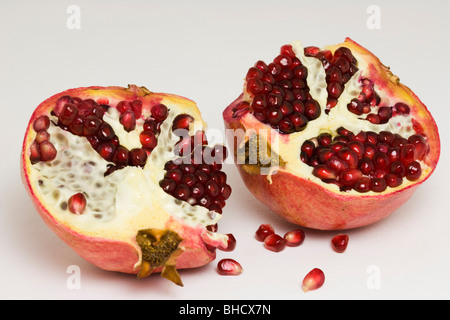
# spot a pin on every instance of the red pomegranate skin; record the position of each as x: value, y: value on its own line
x: 308, y: 204
x: 110, y: 254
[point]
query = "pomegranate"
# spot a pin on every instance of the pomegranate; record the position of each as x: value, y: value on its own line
x: 329, y: 138
x: 126, y: 178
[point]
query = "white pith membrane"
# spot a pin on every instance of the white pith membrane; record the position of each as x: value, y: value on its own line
x: 288, y: 146
x: 125, y: 201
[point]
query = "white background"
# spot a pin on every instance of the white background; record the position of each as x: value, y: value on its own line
x: 202, y: 50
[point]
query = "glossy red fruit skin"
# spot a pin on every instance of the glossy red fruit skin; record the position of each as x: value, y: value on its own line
x: 342, y: 210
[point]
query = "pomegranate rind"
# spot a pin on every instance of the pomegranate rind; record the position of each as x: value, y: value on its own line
x: 109, y: 253
x: 313, y: 205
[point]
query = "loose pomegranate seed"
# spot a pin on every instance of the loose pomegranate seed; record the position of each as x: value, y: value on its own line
x: 231, y: 243
x: 313, y: 280
x: 274, y: 242
x: 77, y: 203
x: 339, y: 242
x: 294, y: 238
x: 229, y: 267
x: 263, y: 232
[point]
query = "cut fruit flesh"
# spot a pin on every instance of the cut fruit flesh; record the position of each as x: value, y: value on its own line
x: 112, y: 199
x: 331, y: 205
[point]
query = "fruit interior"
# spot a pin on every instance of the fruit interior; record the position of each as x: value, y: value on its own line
x: 335, y: 119
x: 101, y: 163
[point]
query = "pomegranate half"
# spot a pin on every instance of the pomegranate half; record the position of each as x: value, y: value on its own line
x: 125, y: 177
x: 329, y: 138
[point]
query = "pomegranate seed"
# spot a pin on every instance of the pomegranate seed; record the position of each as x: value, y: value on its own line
x: 77, y: 124
x: 136, y: 106
x: 137, y: 157
x: 312, y: 109
x: 105, y: 132
x: 336, y: 164
x: 401, y: 108
x: 393, y: 180
x: 274, y: 242
x: 128, y: 120
x: 41, y: 123
x: 378, y: 184
x: 323, y: 172
x: 168, y: 185
x: 231, y: 243
x: 420, y: 146
x: 123, y: 106
x: 60, y: 103
x: 182, y: 122
x: 229, y: 267
x: 42, y: 136
x: 159, y: 112
x: 150, y: 125
x: 148, y: 140
x: 68, y: 113
x: 350, y: 176
x: 106, y: 150
x: 121, y: 156
x: 363, y: 185
x: 35, y: 153
x: 48, y: 151
x: 313, y: 280
x: 263, y: 232
x: 91, y: 125
x: 77, y: 203
x: 294, y: 238
x: 413, y: 171
x: 339, y: 242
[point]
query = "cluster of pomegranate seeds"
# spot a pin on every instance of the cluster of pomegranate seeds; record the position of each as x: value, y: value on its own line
x: 42, y: 149
x: 366, y: 161
x: 85, y: 118
x: 280, y: 94
x: 198, y: 182
x: 368, y: 99
x: 339, y: 68
x: 274, y: 242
